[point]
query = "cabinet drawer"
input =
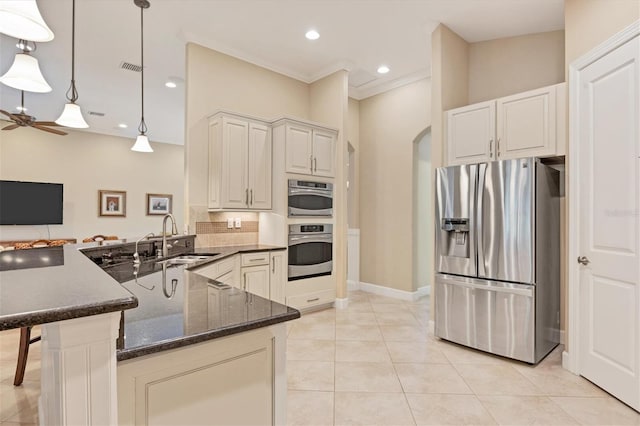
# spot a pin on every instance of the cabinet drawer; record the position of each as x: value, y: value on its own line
x: 253, y: 259
x: 226, y: 265
x: 228, y: 279
x: 215, y: 270
x: 308, y: 300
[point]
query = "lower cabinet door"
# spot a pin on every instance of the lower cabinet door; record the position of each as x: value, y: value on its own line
x: 255, y: 280
x: 223, y: 382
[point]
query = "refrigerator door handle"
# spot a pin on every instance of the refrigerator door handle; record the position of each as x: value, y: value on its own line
x: 482, y: 170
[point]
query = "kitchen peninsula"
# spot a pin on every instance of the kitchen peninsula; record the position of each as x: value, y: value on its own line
x: 190, y: 350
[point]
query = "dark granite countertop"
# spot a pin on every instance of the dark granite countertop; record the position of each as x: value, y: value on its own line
x: 178, y: 307
x: 44, y: 285
x: 164, y: 306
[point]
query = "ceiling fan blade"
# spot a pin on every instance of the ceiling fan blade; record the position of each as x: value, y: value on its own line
x: 11, y: 127
x: 8, y: 114
x: 46, y: 129
x: 47, y: 123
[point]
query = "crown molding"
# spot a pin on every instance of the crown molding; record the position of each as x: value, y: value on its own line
x: 367, y: 92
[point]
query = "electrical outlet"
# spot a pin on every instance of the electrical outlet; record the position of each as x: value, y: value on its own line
x: 230, y: 223
x: 238, y: 222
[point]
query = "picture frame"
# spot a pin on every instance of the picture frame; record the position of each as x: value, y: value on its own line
x: 112, y: 203
x: 159, y: 204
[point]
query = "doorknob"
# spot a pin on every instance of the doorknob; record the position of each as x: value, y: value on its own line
x: 583, y: 260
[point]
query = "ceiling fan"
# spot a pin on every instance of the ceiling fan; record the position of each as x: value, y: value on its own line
x: 21, y: 119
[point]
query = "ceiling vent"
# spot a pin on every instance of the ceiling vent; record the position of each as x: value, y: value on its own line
x: 360, y: 77
x: 131, y: 67
x: 99, y: 114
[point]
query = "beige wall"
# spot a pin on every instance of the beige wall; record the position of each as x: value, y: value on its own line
x: 515, y: 64
x: 85, y: 163
x: 353, y: 138
x: 590, y: 22
x: 328, y: 104
x: 389, y: 124
x: 214, y: 82
x: 449, y: 79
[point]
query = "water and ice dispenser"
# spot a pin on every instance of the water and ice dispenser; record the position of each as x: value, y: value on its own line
x: 457, y: 240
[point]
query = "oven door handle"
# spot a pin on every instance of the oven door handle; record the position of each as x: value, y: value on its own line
x: 301, y: 239
x: 310, y: 191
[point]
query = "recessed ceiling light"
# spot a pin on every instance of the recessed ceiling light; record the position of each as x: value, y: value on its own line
x: 122, y: 126
x: 383, y: 69
x: 312, y: 35
x: 171, y: 84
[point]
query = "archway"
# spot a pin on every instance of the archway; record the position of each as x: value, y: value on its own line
x: 422, y: 213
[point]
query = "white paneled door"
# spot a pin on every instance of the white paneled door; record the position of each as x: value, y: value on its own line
x: 609, y: 217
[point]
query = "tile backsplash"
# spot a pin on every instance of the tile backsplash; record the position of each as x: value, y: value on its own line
x: 209, y: 234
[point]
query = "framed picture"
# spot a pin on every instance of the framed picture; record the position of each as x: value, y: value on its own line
x: 159, y: 204
x: 112, y: 203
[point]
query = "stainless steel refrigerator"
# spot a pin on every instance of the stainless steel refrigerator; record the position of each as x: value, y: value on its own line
x: 497, y: 285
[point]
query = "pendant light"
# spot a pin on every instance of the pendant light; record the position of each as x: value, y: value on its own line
x: 24, y: 73
x: 21, y: 19
x: 72, y: 115
x: 142, y: 141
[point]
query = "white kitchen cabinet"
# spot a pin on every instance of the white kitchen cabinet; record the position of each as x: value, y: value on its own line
x: 226, y: 271
x: 278, y: 278
x: 255, y: 277
x: 239, y: 163
x: 471, y: 133
x: 230, y: 380
x: 528, y: 124
x: 309, y: 149
x: 255, y: 280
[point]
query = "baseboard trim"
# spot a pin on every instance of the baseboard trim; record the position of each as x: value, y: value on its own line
x: 566, y: 362
x: 410, y: 296
x: 341, y: 303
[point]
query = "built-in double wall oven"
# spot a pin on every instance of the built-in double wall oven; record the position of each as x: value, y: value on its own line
x: 308, y: 198
x: 310, y: 250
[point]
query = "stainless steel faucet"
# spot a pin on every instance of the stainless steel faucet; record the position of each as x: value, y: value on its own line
x: 136, y: 256
x: 174, y: 231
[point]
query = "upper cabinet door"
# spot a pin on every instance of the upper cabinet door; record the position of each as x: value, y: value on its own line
x: 470, y: 134
x: 259, y: 166
x: 527, y: 124
x: 234, y: 163
x: 299, y: 154
x: 323, y: 153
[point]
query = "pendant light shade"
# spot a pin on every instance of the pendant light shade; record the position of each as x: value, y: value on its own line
x: 25, y: 74
x: 72, y: 117
x: 142, y: 141
x: 142, y: 144
x: 21, y: 19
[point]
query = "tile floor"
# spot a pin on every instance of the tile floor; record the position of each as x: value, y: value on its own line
x: 376, y: 363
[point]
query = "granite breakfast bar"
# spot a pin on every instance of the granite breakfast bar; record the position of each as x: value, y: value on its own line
x: 136, y: 351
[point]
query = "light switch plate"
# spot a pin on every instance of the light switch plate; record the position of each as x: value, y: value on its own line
x: 230, y: 223
x: 238, y: 222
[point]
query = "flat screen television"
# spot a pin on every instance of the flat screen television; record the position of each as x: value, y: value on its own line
x: 30, y: 203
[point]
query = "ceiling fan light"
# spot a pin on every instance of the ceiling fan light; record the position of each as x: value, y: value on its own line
x: 25, y: 74
x: 142, y: 144
x: 72, y: 117
x: 22, y: 19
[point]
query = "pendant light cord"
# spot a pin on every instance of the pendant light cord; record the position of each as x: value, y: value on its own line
x: 72, y: 93
x: 142, y: 128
